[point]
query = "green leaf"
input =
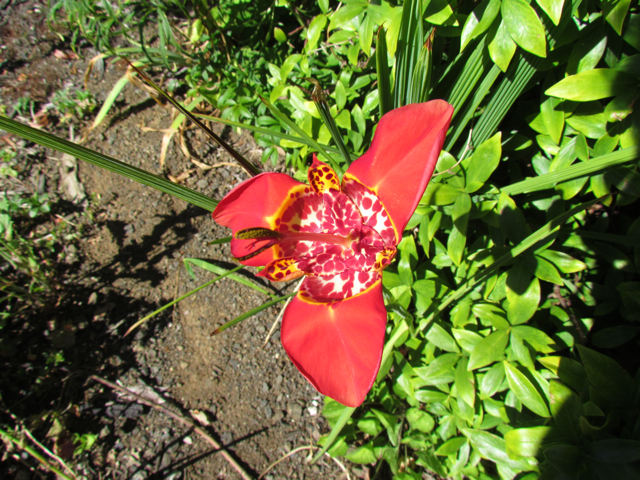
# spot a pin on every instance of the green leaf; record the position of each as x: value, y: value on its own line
x: 615, y: 11
x: 109, y: 101
x: 279, y: 35
x: 569, y: 371
x: 492, y: 381
x: 564, y: 262
x: 566, y: 409
x: 489, y: 312
x: 592, y: 85
x: 553, y: 8
x: 588, y: 50
x: 552, y: 115
x: 482, y: 164
x: 547, y: 272
x: 341, y: 421
x: 501, y: 46
x: 479, y: 21
x: 525, y: 442
x: 488, y: 350
x: 441, y: 339
x: 523, y: 294
x: 440, y: 194
x: 608, y: 378
x: 442, y: 364
x: 108, y: 163
x: 539, y: 340
x: 525, y: 391
x: 494, y: 448
x: 621, y: 106
x: 451, y: 446
x: 420, y: 420
x: 465, y: 383
x: 524, y: 26
x: 430, y: 396
x: 362, y: 455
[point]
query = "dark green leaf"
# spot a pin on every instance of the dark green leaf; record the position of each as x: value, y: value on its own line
x: 526, y: 442
x: 566, y: 409
x: 525, y: 391
x: 607, y: 377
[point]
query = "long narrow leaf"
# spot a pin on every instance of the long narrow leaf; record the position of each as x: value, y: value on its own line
x: 108, y: 163
x: 210, y: 267
x: 385, y: 102
x: 246, y: 164
x: 188, y: 294
x: 265, y: 131
x: 283, y: 119
x: 320, y: 99
x: 251, y: 313
x: 108, y: 103
x: 551, y: 179
x: 410, y: 41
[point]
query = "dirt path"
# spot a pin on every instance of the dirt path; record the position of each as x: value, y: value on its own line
x: 127, y: 263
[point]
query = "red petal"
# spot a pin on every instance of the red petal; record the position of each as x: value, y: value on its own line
x: 252, y: 204
x: 402, y: 157
x: 337, y: 346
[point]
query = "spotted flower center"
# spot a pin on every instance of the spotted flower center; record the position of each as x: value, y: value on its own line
x: 339, y: 236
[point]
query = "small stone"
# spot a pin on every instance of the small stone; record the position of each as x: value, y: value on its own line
x: 184, y: 365
x: 313, y: 410
x: 268, y: 412
x: 202, y: 183
x: 296, y: 411
x: 93, y: 298
x: 187, y: 440
x: 265, y: 387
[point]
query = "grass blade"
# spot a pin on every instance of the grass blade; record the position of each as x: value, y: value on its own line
x: 264, y: 131
x: 210, y: 267
x: 320, y: 99
x: 385, y: 102
x: 410, y: 42
x: 335, y: 431
x: 551, y: 179
x: 246, y: 164
x: 108, y: 163
x: 310, y: 141
x: 109, y: 101
x: 251, y: 313
x: 188, y: 294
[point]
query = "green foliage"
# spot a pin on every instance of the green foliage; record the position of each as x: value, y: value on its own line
x: 512, y: 307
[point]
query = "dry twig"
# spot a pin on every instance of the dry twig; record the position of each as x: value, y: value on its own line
x: 273, y: 327
x: 180, y: 419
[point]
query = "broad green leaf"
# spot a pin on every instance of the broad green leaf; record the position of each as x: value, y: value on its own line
x: 501, y: 46
x: 466, y: 339
x: 523, y: 295
x: 493, y: 448
x: 465, y: 383
x: 609, y: 379
x: 553, y: 8
x: 526, y: 442
x: 489, y: 312
x: 587, y: 51
x: 451, y: 446
x: 479, y: 21
x: 547, y: 272
x: 524, y: 26
x: 632, y: 32
x: 362, y: 455
x: 552, y: 114
x: 440, y: 194
x: 366, y: 35
x: 621, y: 106
x: 589, y: 120
x: 441, y: 339
x: 564, y: 262
x: 539, y: 340
x: 279, y: 35
x: 525, y: 391
x: 484, y: 161
x: 443, y: 363
x: 569, y: 371
x: 430, y: 396
x: 492, y: 381
x: 345, y: 14
x: 488, y: 350
x: 614, y: 12
x: 566, y: 409
x: 420, y: 420
x: 592, y: 85
x: 370, y: 426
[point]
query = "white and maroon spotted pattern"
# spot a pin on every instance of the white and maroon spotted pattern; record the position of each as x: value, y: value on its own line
x: 373, y: 212
x: 331, y: 288
x: 349, y: 238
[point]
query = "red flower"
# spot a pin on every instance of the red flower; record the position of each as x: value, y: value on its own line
x: 341, y: 236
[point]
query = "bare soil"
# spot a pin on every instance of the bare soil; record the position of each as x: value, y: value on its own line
x: 127, y: 263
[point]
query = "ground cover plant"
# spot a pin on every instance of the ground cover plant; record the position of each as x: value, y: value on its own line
x: 513, y: 303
